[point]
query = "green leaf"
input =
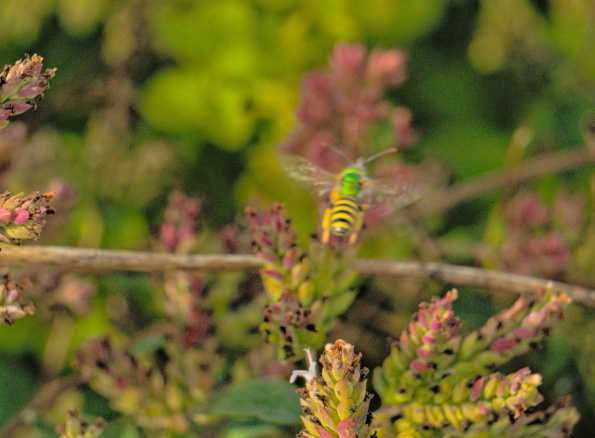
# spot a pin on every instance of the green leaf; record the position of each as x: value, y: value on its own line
x: 18, y: 381
x: 269, y: 401
x: 258, y: 431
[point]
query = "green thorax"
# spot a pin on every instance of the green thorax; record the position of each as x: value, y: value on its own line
x: 351, y: 181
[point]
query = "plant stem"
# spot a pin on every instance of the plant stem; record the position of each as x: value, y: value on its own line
x: 101, y: 260
x: 547, y: 164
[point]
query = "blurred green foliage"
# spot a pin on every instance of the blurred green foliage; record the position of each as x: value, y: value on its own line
x: 153, y: 95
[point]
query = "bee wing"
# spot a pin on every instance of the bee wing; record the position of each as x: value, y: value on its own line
x: 320, y: 181
x: 395, y: 194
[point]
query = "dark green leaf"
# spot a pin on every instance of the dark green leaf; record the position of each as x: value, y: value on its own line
x: 270, y: 401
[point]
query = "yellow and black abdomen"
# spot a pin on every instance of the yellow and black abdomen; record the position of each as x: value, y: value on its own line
x: 345, y: 215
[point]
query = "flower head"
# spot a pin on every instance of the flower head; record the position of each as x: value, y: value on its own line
x: 336, y: 403
x: 438, y: 381
x: 345, y: 105
x: 306, y: 292
x: 23, y: 218
x: 21, y: 84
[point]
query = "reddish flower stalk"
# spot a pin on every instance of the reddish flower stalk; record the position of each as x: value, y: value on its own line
x: 306, y: 293
x: 345, y: 105
x: 178, y: 231
x: 438, y: 380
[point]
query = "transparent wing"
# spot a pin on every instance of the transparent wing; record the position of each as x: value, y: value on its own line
x: 320, y: 181
x: 395, y: 193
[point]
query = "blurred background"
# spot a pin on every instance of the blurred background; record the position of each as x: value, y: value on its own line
x: 152, y: 96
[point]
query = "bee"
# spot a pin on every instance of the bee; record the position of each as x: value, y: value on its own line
x: 351, y: 192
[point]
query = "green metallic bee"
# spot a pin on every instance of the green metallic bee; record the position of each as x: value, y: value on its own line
x: 351, y: 192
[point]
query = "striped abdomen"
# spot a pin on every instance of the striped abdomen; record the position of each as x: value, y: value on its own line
x: 344, y: 215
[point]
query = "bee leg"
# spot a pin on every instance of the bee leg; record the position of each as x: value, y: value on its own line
x: 335, y: 195
x: 359, y: 222
x: 326, y: 226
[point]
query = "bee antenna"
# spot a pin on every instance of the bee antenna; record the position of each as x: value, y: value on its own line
x: 380, y: 154
x: 338, y: 152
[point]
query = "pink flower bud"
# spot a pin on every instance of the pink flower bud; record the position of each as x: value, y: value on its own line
x: 477, y: 388
x: 19, y: 107
x: 5, y: 216
x: 425, y: 352
x: 418, y: 366
x: 387, y: 67
x: 429, y: 338
x: 30, y: 91
x: 4, y: 113
x: 348, y: 61
x: 21, y: 216
x: 502, y: 344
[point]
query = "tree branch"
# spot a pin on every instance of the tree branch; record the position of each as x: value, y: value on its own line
x: 466, y: 191
x: 100, y: 260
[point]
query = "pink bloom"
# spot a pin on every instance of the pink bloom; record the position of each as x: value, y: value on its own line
x: 21, y: 216
x: 5, y: 216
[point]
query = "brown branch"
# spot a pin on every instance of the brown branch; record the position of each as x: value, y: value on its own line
x: 98, y: 260
x: 490, y: 181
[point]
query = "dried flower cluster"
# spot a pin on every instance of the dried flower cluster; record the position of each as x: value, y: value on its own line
x: 76, y: 427
x: 541, y: 240
x: 23, y: 218
x: 20, y: 85
x: 306, y: 292
x: 439, y: 382
x: 335, y: 403
x: 12, y: 303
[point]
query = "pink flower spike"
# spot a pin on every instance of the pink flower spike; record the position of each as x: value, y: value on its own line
x: 21, y: 216
x: 5, y: 216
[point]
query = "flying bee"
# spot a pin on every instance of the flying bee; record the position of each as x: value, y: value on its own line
x: 351, y: 192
